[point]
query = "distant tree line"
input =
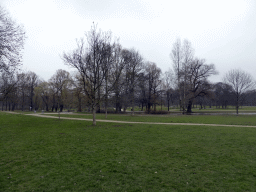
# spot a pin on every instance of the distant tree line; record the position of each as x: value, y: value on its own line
x: 110, y: 78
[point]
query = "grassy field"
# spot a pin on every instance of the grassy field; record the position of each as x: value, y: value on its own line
x: 208, y: 108
x: 205, y: 119
x: 39, y: 154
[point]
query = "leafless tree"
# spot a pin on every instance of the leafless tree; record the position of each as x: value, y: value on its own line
x: 177, y: 58
x: 60, y: 81
x: 182, y: 55
x: 197, y: 83
x: 8, y: 89
x: 168, y: 85
x: 77, y: 90
x: 23, y: 89
x: 32, y: 81
x: 153, y: 82
x: 11, y: 42
x: 133, y: 65
x: 108, y: 64
x: 116, y: 75
x: 223, y: 95
x: 45, y: 94
x: 188, y: 55
x: 12, y: 38
x: 89, y: 59
x: 241, y: 82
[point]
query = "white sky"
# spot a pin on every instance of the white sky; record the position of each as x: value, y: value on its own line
x: 221, y: 31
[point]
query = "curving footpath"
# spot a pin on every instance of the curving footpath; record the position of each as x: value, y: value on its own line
x: 150, y: 123
x: 127, y: 122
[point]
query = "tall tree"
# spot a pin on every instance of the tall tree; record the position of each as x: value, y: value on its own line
x: 77, y: 90
x: 168, y: 83
x: 182, y: 55
x: 108, y: 64
x: 196, y: 81
x: 188, y: 55
x: 177, y: 59
x: 60, y: 81
x: 89, y: 60
x: 44, y: 91
x: 241, y: 82
x: 223, y: 95
x: 153, y: 82
x: 133, y: 65
x: 12, y: 38
x: 32, y: 81
x: 116, y: 75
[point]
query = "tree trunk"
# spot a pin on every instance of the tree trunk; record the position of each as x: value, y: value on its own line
x: 94, y: 115
x: 79, y: 104
x: 237, y: 104
x: 106, y: 108
x: 133, y: 103
x: 189, y: 108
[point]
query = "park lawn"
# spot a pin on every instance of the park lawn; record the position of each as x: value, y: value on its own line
x: 203, y: 119
x: 40, y: 154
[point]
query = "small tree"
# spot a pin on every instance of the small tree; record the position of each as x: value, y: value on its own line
x: 240, y: 82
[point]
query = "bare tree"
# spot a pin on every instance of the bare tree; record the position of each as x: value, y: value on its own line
x: 23, y: 89
x: 182, y: 55
x: 89, y: 59
x: 177, y: 57
x: 8, y: 89
x: 60, y: 81
x: 188, y: 55
x: 12, y: 38
x: 32, y: 81
x: 11, y: 42
x: 168, y: 83
x: 44, y: 92
x: 108, y: 64
x: 77, y: 90
x: 241, y: 82
x: 223, y: 95
x: 133, y: 65
x: 196, y: 80
x: 153, y: 83
x: 116, y: 75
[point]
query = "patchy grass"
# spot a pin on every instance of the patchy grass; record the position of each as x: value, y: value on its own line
x: 204, y: 119
x: 39, y: 154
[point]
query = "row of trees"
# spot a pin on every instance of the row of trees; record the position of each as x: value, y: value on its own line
x: 65, y: 90
x: 108, y: 75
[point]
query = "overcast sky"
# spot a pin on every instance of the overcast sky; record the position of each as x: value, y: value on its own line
x: 221, y: 31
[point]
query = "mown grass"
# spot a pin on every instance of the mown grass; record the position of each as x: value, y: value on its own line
x: 40, y: 154
x: 198, y: 109
x: 204, y: 119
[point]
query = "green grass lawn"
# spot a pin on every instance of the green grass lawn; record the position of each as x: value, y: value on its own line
x: 197, y: 108
x: 204, y: 119
x: 40, y: 154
